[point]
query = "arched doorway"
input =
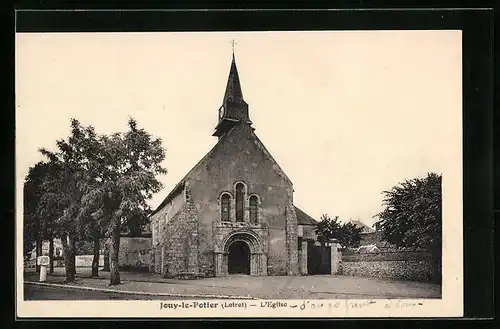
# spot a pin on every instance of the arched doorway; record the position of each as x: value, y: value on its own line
x: 241, y: 251
x: 239, y: 258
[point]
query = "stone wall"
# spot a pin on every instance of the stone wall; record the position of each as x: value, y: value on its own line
x: 81, y: 261
x: 178, y: 245
x: 277, y: 259
x: 415, y: 266
x: 134, y: 253
x: 86, y: 260
x: 158, y: 224
x: 159, y: 219
x: 386, y: 256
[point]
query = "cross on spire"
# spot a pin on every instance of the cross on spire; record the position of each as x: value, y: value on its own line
x: 232, y: 45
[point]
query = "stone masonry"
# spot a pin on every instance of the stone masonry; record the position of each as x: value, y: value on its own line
x: 292, y: 240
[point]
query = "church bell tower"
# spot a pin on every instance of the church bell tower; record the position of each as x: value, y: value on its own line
x: 234, y: 109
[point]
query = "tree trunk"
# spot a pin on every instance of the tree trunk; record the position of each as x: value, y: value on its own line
x: 106, y: 256
x: 51, y: 255
x: 95, y: 260
x: 38, y: 249
x: 73, y: 254
x: 114, y: 248
x: 69, y: 257
x: 65, y: 251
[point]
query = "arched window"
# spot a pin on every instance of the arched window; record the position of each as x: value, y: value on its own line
x: 254, y: 204
x: 239, y: 202
x: 225, y: 207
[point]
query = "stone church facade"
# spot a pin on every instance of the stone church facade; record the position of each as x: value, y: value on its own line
x: 234, y: 211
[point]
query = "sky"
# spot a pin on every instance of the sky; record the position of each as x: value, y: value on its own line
x: 347, y: 115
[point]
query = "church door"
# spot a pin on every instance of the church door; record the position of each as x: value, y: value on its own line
x: 239, y: 258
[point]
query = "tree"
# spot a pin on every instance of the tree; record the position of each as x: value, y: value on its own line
x: 412, y: 217
x: 32, y: 192
x: 124, y: 171
x: 90, y: 219
x: 63, y: 189
x: 347, y: 234
x: 40, y: 213
x: 350, y: 234
x: 59, y: 204
x: 327, y: 228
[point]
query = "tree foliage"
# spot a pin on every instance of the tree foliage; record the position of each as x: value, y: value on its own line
x: 122, y: 179
x: 347, y: 234
x: 137, y: 224
x: 412, y: 217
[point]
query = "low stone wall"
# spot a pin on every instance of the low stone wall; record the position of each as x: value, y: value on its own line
x: 81, y: 261
x: 134, y: 253
x: 385, y: 256
x: 86, y: 260
x: 415, y: 266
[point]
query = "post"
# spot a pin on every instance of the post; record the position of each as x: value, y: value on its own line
x: 44, y: 262
x: 335, y: 257
x: 303, y: 264
x: 43, y: 273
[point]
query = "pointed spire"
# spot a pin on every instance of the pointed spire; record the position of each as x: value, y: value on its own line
x: 234, y: 109
x: 233, y: 87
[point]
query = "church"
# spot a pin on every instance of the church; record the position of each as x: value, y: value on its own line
x: 233, y: 212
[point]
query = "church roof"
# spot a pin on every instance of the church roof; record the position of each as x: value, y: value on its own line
x: 303, y: 218
x: 175, y: 191
x: 180, y: 186
x: 233, y: 87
